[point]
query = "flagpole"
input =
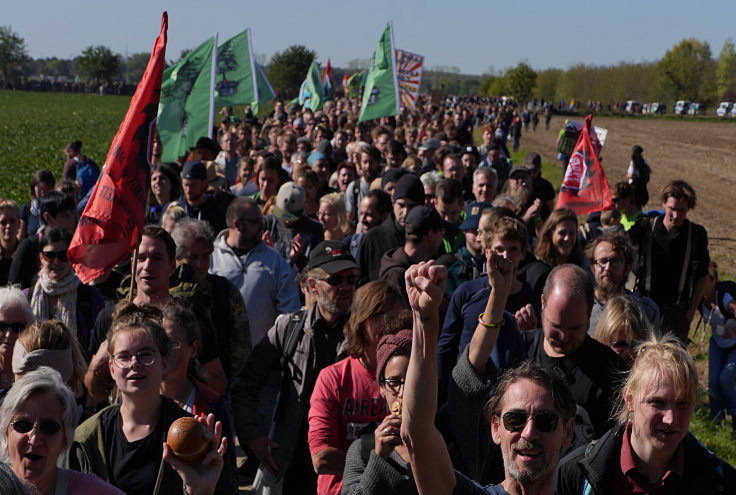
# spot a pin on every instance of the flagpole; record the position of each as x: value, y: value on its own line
x: 393, y: 63
x: 256, y: 99
x: 213, y: 76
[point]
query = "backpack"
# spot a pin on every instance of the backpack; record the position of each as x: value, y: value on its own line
x: 568, y: 140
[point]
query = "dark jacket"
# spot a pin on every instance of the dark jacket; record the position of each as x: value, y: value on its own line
x: 374, y: 244
x: 596, y: 464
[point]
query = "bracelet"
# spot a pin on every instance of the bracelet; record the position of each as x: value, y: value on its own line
x: 490, y: 325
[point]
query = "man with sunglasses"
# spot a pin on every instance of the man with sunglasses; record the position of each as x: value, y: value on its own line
x: 530, y: 412
x: 611, y: 257
x: 296, y: 348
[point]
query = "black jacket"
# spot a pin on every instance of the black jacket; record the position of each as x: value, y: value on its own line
x: 375, y: 243
x: 593, y: 467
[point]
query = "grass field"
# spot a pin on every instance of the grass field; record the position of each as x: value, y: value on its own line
x: 35, y: 127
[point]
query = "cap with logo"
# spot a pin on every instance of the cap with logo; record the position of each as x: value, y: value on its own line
x: 332, y: 256
x: 290, y: 202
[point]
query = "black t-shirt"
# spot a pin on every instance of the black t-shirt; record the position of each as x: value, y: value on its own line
x: 592, y: 372
x: 542, y: 189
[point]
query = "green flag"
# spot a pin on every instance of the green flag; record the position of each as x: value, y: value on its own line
x: 355, y: 82
x: 311, y: 94
x: 265, y: 90
x: 235, y: 81
x: 173, y: 114
x: 381, y: 93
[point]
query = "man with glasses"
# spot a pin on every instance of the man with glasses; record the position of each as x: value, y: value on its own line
x: 297, y: 347
x: 530, y: 412
x: 611, y: 257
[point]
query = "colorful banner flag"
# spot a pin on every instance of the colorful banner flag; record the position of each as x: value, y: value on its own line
x: 311, y: 93
x: 345, y: 80
x: 381, y: 93
x: 355, y: 82
x: 410, y: 67
x: 174, y: 115
x: 585, y: 187
x: 327, y: 80
x: 112, y: 221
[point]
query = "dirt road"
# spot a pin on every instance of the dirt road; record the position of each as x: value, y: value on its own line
x: 702, y: 153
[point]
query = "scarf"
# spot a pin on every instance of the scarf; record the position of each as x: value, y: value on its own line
x: 66, y: 307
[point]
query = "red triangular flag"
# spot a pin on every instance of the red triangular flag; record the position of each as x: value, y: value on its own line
x: 112, y: 221
x: 585, y: 187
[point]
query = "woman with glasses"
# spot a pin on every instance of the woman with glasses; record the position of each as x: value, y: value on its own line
x: 346, y: 397
x: 15, y: 315
x: 378, y: 462
x: 621, y: 326
x: 58, y: 294
x: 124, y: 443
x: 37, y: 421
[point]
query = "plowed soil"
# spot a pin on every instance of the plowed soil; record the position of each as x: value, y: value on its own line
x: 702, y: 153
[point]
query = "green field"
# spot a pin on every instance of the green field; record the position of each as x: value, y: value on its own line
x: 35, y: 127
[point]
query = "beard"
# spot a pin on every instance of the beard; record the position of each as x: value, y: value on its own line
x: 523, y: 197
x: 607, y: 288
x: 337, y: 307
x: 529, y: 473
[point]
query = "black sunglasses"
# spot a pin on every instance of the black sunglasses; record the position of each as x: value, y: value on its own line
x: 546, y: 422
x: 53, y: 255
x: 47, y: 427
x: 335, y: 280
x: 13, y: 327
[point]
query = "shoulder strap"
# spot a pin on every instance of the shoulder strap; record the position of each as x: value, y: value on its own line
x: 650, y: 241
x: 686, y: 260
x: 293, y: 334
x: 62, y: 482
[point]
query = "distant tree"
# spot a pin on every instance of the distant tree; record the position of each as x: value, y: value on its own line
x: 547, y: 82
x: 688, y: 71
x: 98, y: 64
x: 358, y: 64
x: 520, y: 82
x: 134, y: 67
x: 287, y: 69
x: 12, y: 55
x: 498, y: 87
x: 726, y: 70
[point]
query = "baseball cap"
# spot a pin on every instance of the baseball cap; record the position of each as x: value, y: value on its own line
x: 332, y: 256
x: 532, y: 158
x: 290, y: 202
x: 315, y: 156
x: 423, y: 218
x: 431, y: 143
x: 205, y: 143
x: 523, y: 168
x: 472, y: 215
x: 194, y: 169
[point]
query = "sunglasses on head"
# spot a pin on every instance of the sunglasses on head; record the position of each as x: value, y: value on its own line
x: 13, y: 327
x: 515, y: 421
x: 336, y: 280
x: 47, y: 427
x: 54, y: 255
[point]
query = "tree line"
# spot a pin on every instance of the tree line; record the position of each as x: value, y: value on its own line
x: 687, y: 71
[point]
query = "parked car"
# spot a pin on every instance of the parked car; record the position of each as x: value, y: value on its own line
x: 724, y: 108
x: 657, y: 108
x: 633, y: 106
x: 696, y: 109
x: 681, y: 107
x: 733, y: 111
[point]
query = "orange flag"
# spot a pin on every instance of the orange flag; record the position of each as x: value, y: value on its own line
x: 112, y: 221
x: 585, y: 187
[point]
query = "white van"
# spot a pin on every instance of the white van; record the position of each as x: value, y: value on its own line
x: 681, y: 107
x: 724, y: 108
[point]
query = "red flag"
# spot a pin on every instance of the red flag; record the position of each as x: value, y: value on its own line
x: 585, y: 187
x: 112, y: 221
x: 327, y: 73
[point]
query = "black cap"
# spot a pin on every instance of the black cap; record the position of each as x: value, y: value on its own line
x: 532, y: 158
x: 332, y: 256
x: 393, y: 175
x: 421, y: 219
x: 409, y: 186
x: 194, y: 169
x: 205, y: 143
x: 523, y: 168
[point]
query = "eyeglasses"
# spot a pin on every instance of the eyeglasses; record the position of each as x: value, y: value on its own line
x: 50, y: 256
x: 622, y: 344
x: 47, y: 427
x: 394, y: 384
x: 605, y: 261
x: 125, y: 360
x: 176, y: 344
x: 515, y: 421
x: 11, y: 327
x: 336, y: 280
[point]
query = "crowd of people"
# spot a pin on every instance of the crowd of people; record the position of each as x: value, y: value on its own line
x: 375, y: 307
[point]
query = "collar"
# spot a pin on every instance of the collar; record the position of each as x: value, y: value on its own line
x: 676, y: 465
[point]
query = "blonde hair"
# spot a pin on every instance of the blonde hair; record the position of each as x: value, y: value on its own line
x: 337, y: 201
x: 660, y: 358
x: 621, y: 313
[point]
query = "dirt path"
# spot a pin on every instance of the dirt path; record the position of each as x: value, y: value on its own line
x: 702, y: 153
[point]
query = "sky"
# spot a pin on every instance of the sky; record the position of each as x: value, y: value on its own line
x: 477, y: 36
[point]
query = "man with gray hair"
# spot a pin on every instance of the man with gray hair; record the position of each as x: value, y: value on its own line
x: 194, y: 246
x: 485, y: 183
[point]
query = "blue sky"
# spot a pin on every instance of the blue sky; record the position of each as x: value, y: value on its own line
x: 470, y: 34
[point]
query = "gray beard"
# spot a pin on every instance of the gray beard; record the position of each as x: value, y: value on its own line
x: 527, y: 476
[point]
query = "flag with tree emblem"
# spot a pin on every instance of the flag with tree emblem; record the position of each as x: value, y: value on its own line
x: 381, y: 93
